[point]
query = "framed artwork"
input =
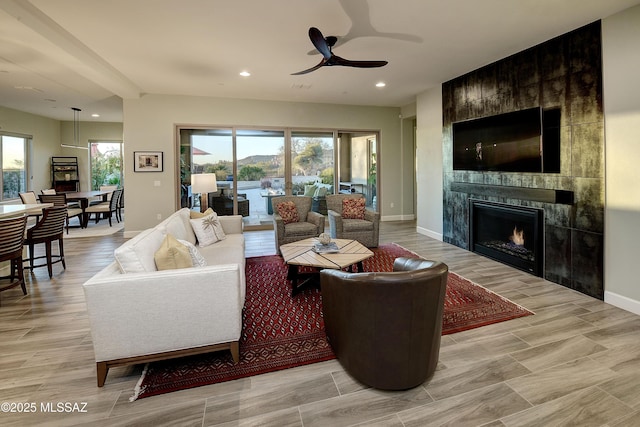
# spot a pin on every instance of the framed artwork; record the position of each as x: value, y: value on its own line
x: 147, y: 161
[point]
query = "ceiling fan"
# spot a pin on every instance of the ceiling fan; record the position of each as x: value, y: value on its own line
x: 324, y: 45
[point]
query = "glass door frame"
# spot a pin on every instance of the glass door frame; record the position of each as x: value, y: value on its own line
x: 288, y: 131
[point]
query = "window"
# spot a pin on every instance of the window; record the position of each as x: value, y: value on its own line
x: 106, y: 164
x: 13, y: 153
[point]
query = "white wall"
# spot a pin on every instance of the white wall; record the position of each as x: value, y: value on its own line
x: 621, y: 62
x: 429, y: 163
x: 149, y: 124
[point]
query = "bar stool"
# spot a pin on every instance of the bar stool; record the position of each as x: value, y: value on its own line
x: 11, y: 240
x: 48, y: 229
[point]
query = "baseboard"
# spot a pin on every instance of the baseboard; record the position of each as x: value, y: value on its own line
x: 622, y: 302
x: 409, y: 217
x: 429, y: 233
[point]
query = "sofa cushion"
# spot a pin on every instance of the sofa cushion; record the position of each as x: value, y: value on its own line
x: 208, y: 229
x: 300, y: 229
x: 227, y: 251
x: 196, y: 257
x: 353, y: 208
x: 136, y: 254
x: 178, y: 226
x: 288, y: 211
x: 172, y: 255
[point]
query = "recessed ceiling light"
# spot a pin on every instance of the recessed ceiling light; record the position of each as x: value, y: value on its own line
x: 381, y: 84
x: 95, y: 115
x: 245, y: 73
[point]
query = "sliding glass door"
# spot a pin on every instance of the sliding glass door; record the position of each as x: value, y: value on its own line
x: 312, y: 159
x: 254, y: 165
x: 260, y: 161
x: 358, y: 165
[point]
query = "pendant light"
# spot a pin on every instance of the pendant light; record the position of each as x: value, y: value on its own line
x: 76, y: 131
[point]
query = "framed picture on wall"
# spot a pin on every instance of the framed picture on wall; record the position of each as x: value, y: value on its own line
x: 147, y: 161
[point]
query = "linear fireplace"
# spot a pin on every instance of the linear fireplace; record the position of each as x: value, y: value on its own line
x: 513, y: 235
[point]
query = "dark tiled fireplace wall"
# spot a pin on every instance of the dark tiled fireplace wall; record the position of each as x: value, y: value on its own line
x: 564, y: 73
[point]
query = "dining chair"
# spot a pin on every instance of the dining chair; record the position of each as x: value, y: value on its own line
x: 61, y: 200
x: 49, y: 229
x: 29, y: 198
x: 111, y: 188
x: 48, y: 191
x: 120, y: 205
x: 103, y: 208
x: 11, y: 239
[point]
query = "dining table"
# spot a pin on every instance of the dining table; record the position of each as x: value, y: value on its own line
x: 10, y: 210
x: 84, y: 199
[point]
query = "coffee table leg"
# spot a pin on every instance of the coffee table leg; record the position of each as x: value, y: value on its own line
x: 301, y: 281
x: 292, y: 274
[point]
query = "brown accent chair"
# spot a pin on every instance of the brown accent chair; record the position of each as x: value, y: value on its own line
x: 311, y: 223
x: 385, y: 328
x: 366, y: 231
x: 49, y: 229
x: 11, y: 240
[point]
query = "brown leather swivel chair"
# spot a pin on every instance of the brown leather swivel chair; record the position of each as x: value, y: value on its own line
x: 385, y: 328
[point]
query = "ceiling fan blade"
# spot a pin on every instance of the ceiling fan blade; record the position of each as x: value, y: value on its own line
x: 319, y: 42
x: 308, y: 70
x: 359, y: 64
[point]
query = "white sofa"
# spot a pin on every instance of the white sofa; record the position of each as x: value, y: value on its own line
x: 150, y: 315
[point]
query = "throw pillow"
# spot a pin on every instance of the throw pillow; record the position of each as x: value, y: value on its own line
x: 208, y: 229
x: 172, y: 255
x: 196, y: 214
x: 309, y: 190
x: 196, y: 257
x: 288, y: 211
x: 353, y: 208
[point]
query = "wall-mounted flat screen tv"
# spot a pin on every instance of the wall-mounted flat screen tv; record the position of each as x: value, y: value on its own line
x: 510, y: 142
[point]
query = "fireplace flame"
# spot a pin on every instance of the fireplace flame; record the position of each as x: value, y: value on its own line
x: 517, y: 237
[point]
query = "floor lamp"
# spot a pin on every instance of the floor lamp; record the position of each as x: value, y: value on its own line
x: 204, y: 183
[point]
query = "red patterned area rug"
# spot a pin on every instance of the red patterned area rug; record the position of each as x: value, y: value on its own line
x: 281, y: 332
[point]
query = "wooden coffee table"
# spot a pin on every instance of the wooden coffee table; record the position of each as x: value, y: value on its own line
x: 300, y: 253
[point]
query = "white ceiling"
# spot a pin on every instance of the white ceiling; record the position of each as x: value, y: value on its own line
x: 90, y: 54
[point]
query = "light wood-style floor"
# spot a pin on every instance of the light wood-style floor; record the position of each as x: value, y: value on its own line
x: 576, y: 362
